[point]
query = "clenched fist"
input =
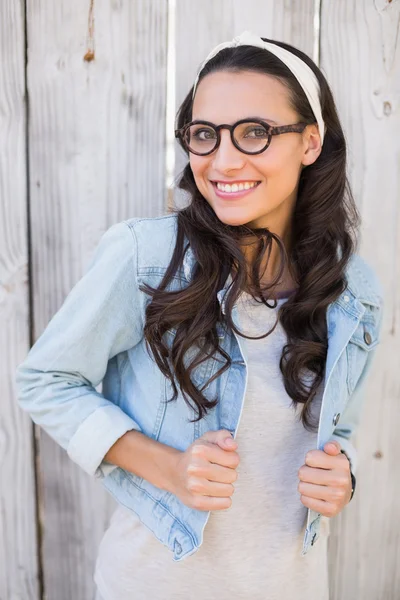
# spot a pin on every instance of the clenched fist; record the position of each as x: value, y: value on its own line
x: 204, y: 473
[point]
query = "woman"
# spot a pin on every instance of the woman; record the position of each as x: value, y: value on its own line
x: 251, y: 306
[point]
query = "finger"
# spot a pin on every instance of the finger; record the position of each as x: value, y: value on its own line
x: 333, y: 477
x: 321, y: 492
x: 214, y: 454
x: 211, y: 503
x: 227, y: 443
x: 211, y: 488
x: 332, y: 447
x: 219, y: 473
x: 222, y: 438
x: 322, y: 460
x: 321, y: 506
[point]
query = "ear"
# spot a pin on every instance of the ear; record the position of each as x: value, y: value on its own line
x: 312, y: 144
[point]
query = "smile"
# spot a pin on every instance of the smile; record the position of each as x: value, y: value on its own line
x: 236, y: 187
x: 235, y: 190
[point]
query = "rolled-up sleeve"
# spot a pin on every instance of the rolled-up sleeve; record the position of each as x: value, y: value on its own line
x: 101, y: 317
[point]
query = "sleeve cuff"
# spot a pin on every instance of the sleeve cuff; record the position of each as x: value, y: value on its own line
x: 95, y: 436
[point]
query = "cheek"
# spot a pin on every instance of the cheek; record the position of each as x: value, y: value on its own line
x: 199, y: 169
x: 198, y: 166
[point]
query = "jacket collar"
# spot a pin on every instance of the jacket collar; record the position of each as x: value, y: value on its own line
x: 350, y: 300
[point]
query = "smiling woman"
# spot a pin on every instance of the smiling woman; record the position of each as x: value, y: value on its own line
x: 267, y: 216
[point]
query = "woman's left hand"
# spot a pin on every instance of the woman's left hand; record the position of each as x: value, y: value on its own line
x: 325, y: 481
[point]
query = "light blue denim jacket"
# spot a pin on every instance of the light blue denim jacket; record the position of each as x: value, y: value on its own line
x: 97, y: 336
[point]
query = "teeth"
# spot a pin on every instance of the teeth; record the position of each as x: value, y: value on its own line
x: 236, y: 187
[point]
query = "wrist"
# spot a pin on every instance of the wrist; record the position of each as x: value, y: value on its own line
x: 168, y: 468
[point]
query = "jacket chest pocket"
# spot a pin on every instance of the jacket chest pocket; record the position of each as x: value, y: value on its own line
x: 363, y: 340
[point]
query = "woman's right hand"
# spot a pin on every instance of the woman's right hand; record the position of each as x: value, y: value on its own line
x: 204, y: 473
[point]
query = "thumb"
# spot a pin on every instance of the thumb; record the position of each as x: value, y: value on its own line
x: 332, y: 447
x: 223, y: 438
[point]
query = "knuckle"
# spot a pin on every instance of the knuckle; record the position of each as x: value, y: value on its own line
x: 228, y: 502
x: 193, y: 484
x: 235, y: 461
x: 199, y: 449
x: 301, y: 472
x: 338, y: 493
x: 342, y: 481
x: 192, y: 469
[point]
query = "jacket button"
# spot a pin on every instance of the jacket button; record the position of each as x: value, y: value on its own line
x: 336, y: 418
x: 367, y: 337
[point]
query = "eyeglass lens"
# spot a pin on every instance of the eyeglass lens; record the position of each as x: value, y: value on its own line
x: 250, y: 137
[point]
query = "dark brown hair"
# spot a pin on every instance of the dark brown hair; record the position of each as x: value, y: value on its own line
x: 325, y: 220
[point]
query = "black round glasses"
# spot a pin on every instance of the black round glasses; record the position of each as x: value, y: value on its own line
x: 251, y: 136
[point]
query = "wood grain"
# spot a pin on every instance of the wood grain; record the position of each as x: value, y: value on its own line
x: 360, y: 56
x: 97, y: 74
x: 18, y: 534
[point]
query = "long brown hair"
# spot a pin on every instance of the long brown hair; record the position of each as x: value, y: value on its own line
x: 325, y: 221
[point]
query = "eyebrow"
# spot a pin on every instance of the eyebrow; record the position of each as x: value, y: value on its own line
x: 257, y: 118
x: 264, y: 119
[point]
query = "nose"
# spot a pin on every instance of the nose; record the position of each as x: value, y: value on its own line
x: 227, y: 157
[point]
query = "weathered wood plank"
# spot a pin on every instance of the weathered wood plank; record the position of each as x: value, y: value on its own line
x: 360, y: 54
x: 18, y: 560
x: 97, y: 75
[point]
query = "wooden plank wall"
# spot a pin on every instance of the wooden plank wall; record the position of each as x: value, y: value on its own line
x: 18, y: 529
x: 97, y: 156
x: 96, y: 146
x: 360, y: 55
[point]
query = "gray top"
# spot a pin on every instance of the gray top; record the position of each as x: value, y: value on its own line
x: 253, y: 549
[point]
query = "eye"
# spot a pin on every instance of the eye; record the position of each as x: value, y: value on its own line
x: 203, y: 133
x: 256, y: 132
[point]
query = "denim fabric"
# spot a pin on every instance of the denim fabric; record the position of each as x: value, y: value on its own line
x: 97, y: 336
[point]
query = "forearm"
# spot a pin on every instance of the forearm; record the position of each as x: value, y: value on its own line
x: 145, y: 457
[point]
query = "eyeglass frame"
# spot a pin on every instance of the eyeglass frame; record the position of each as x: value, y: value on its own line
x: 271, y: 130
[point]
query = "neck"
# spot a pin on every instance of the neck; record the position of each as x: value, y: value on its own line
x: 270, y: 265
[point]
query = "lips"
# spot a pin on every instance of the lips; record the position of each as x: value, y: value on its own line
x: 236, y: 182
x: 233, y: 195
x: 215, y: 181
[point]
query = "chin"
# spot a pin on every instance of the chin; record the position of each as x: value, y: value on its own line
x: 232, y: 220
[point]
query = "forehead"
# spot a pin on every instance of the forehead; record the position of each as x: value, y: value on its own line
x: 227, y: 96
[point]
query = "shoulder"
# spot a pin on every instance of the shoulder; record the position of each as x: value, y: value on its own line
x: 154, y: 239
x: 164, y: 224
x: 363, y: 281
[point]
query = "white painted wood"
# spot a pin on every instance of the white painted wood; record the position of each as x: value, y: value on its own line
x: 360, y: 55
x: 18, y: 561
x: 198, y: 32
x: 97, y: 78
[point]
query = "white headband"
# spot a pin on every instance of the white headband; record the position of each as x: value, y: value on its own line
x: 304, y: 75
